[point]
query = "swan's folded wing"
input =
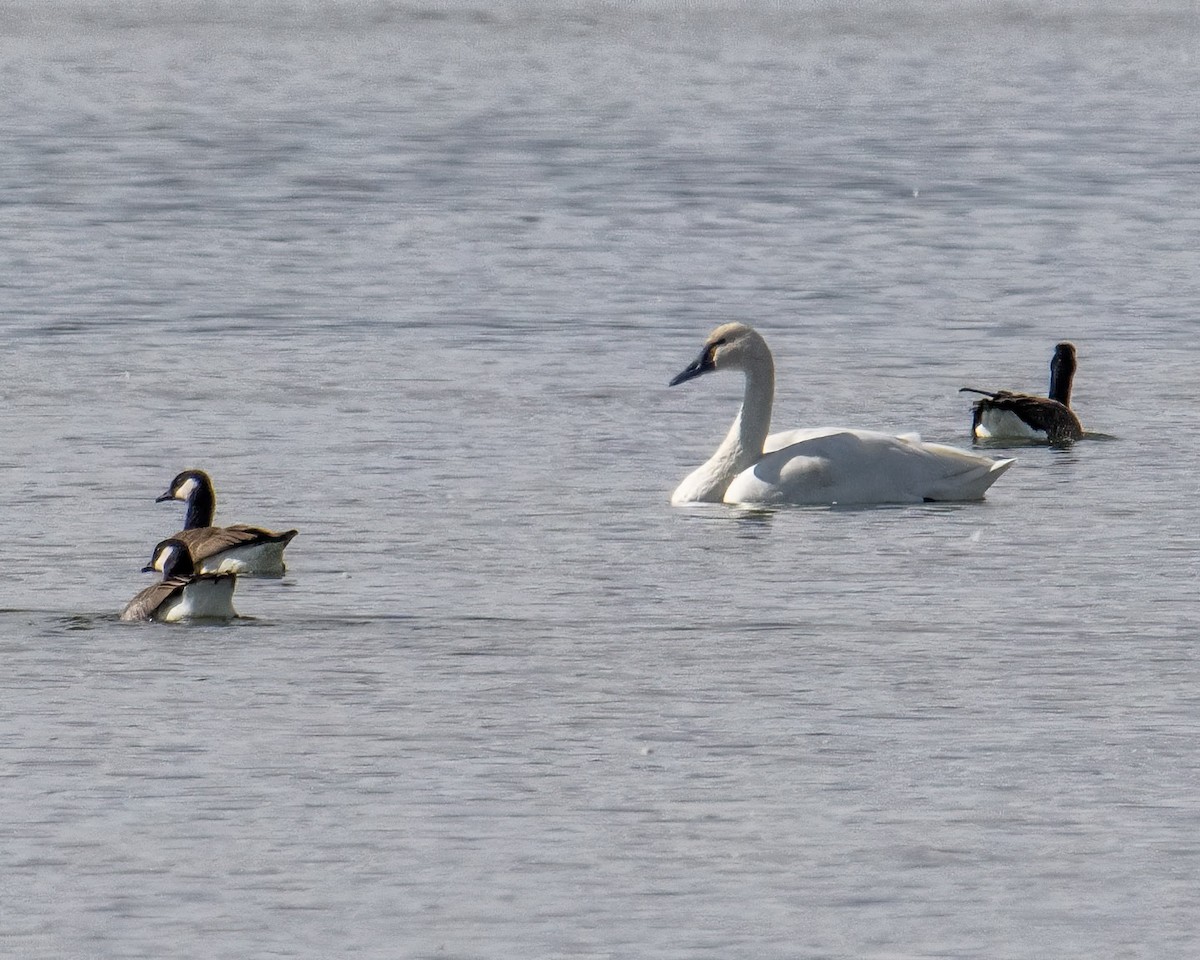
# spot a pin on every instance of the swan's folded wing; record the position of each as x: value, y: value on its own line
x: 861, y: 466
x: 966, y: 476
x: 788, y: 438
x: 819, y: 466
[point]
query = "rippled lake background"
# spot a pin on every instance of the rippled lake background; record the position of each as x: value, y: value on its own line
x: 412, y: 277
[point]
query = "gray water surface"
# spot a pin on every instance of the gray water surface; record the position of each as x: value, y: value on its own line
x: 412, y: 279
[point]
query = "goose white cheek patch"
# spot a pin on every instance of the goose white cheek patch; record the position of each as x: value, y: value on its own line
x: 163, y: 558
x: 186, y: 489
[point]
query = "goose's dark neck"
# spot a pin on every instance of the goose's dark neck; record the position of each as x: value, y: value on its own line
x: 1062, y: 373
x: 201, y: 506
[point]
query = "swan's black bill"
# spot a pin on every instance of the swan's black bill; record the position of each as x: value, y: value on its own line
x: 701, y: 365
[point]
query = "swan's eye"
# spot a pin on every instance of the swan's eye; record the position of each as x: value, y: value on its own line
x: 717, y: 343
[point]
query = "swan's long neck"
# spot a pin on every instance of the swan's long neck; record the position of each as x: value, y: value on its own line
x: 743, y: 445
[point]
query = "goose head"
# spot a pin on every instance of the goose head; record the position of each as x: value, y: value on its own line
x: 171, y: 558
x: 732, y: 346
x: 196, y: 490
x: 186, y: 485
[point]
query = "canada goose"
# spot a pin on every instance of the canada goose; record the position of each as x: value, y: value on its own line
x: 1005, y: 415
x: 182, y: 594
x: 817, y: 466
x: 234, y: 549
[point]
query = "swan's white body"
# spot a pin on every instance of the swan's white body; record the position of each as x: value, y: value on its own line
x: 826, y: 465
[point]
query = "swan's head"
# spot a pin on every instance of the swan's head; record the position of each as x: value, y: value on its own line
x: 732, y: 346
x: 171, y: 558
x: 185, y: 485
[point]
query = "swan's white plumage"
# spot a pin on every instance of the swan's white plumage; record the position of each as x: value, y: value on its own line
x: 823, y: 465
x: 838, y: 465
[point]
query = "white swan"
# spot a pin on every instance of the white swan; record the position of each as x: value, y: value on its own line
x: 825, y: 465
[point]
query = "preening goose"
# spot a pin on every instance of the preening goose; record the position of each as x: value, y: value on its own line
x: 825, y: 465
x: 182, y: 594
x: 1005, y: 415
x: 234, y: 549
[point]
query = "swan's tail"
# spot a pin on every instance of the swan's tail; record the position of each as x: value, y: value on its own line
x: 972, y: 482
